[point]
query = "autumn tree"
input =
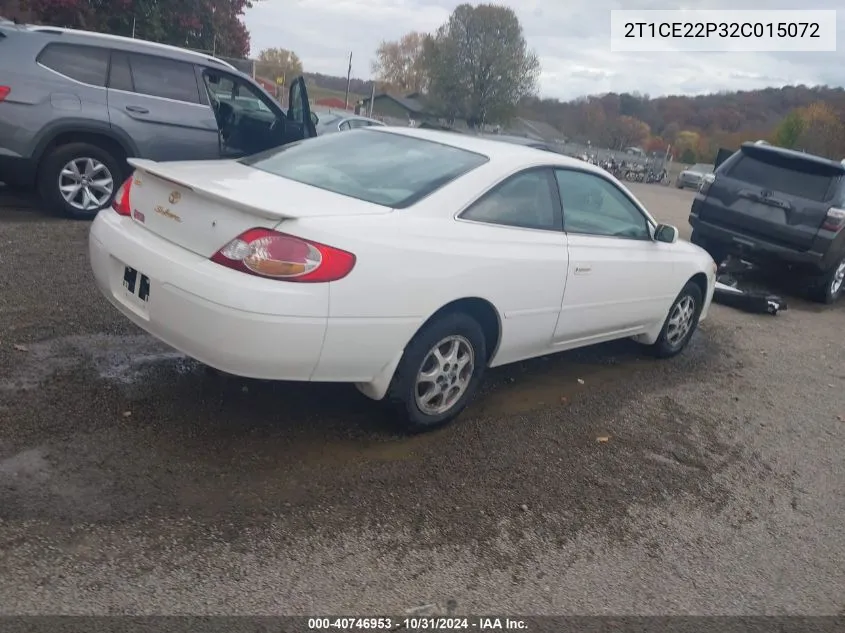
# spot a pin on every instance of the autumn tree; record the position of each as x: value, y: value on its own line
x: 479, y: 65
x: 627, y: 131
x: 823, y: 132
x: 215, y: 26
x: 790, y: 130
x: 278, y: 62
x: 400, y: 64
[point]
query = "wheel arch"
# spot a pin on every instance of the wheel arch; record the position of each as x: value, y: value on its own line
x: 83, y: 131
x: 482, y: 310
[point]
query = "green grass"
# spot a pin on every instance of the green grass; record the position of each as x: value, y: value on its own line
x: 315, y: 93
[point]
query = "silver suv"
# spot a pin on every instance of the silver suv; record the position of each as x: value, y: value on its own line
x: 75, y: 105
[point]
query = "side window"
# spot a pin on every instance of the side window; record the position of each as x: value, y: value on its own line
x: 524, y: 201
x: 120, y: 77
x: 87, y: 64
x: 595, y: 206
x: 161, y: 77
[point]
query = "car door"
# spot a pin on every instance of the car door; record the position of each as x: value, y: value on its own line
x: 156, y: 101
x: 617, y: 281
x: 249, y: 120
x: 300, y: 121
x: 522, y: 223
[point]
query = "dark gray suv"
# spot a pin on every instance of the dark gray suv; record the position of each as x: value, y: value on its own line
x: 75, y: 105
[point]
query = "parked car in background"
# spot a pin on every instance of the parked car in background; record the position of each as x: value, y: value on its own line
x: 331, y: 121
x: 693, y: 176
x: 405, y: 261
x: 75, y: 105
x: 777, y: 207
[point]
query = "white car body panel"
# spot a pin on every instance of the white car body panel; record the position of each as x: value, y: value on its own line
x: 550, y: 291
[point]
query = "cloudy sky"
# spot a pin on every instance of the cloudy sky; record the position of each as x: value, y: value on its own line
x: 571, y: 37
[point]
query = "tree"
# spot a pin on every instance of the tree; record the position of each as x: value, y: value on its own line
x: 278, y: 62
x: 790, y: 130
x: 400, y: 63
x: 214, y: 26
x: 823, y: 132
x: 688, y: 156
x: 479, y: 64
x: 627, y: 131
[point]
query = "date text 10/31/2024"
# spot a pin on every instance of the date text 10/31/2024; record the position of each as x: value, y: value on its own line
x: 419, y: 623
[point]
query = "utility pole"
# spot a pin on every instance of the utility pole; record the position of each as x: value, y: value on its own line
x: 372, y: 99
x: 348, y: 79
x: 133, y: 27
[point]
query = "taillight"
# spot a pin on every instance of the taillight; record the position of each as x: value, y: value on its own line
x: 275, y: 255
x: 121, y: 198
x: 4, y: 92
x: 834, y: 220
x: 706, y: 181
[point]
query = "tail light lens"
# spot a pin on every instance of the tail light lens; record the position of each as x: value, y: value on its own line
x: 4, y: 92
x: 834, y: 220
x: 274, y: 255
x: 121, y: 198
x: 706, y: 181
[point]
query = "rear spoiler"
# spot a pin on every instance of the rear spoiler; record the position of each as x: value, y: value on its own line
x: 160, y: 171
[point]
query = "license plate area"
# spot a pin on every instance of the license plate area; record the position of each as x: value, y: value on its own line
x: 136, y: 287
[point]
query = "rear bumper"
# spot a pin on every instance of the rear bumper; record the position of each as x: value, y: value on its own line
x: 742, y: 244
x: 239, y: 324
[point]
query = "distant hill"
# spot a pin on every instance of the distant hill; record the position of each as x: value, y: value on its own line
x: 725, y: 113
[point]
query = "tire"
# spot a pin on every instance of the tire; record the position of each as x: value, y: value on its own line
x: 667, y: 345
x: 108, y: 168
x: 455, y: 328
x: 831, y: 286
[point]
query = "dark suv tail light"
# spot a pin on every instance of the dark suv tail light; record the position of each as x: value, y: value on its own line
x: 834, y: 220
x: 706, y: 181
x: 274, y: 255
x: 4, y: 92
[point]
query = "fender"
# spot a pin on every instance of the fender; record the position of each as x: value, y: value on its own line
x: 80, y: 125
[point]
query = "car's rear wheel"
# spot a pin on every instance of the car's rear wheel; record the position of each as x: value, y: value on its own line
x: 79, y: 179
x: 680, y: 323
x: 439, y: 373
x: 831, y: 286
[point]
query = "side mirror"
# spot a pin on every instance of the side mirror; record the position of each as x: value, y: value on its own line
x: 314, y: 118
x: 666, y: 233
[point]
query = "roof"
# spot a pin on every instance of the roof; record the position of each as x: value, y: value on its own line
x: 536, y: 129
x: 129, y: 44
x: 494, y: 149
x: 411, y: 104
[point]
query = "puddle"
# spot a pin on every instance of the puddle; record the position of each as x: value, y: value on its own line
x: 119, y: 359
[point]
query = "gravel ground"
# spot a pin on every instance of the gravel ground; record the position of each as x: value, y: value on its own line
x: 132, y: 481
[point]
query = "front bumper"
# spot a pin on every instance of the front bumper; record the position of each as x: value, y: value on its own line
x: 237, y: 323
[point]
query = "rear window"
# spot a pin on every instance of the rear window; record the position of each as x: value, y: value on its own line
x: 379, y: 167
x: 86, y: 64
x: 802, y: 179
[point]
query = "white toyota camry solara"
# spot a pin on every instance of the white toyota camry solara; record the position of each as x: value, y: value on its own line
x: 404, y: 261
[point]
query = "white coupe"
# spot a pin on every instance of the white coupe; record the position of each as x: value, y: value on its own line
x: 405, y: 261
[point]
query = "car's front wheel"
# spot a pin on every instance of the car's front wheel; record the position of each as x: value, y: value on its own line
x: 831, y: 286
x: 79, y: 179
x: 439, y: 373
x: 680, y: 323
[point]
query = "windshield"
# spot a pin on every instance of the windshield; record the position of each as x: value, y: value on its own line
x: 327, y: 118
x: 701, y: 168
x: 375, y: 166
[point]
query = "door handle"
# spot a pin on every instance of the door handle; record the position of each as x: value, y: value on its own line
x: 583, y: 270
x: 137, y: 109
